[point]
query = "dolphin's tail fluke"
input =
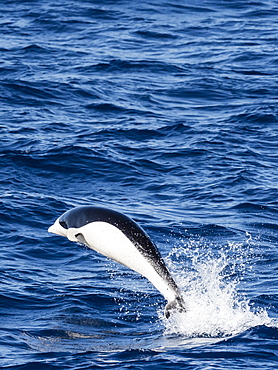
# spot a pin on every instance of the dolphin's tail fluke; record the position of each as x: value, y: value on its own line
x: 177, y: 305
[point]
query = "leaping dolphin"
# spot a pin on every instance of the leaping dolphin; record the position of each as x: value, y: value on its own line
x: 118, y: 237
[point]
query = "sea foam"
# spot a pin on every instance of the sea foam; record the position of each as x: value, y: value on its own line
x: 210, y: 282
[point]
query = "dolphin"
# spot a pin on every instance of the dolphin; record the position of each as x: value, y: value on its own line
x: 118, y: 237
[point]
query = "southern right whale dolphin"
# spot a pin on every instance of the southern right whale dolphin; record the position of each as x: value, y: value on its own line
x: 118, y: 237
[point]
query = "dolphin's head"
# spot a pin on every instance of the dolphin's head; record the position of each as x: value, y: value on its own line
x: 65, y: 226
x: 58, y: 229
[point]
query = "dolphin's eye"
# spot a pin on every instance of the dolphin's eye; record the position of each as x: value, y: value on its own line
x: 63, y: 224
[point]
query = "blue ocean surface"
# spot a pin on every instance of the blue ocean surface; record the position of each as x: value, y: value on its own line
x: 166, y: 111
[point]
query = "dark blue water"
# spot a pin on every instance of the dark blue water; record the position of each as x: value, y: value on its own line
x: 166, y: 111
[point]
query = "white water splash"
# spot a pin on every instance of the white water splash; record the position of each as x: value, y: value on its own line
x: 210, y: 285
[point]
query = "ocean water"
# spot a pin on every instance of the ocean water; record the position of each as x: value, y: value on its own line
x: 163, y: 110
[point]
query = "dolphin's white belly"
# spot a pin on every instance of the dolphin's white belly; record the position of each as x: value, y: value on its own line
x: 112, y: 242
